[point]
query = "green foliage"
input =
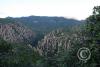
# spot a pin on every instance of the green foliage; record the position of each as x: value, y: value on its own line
x: 15, y: 55
x: 93, y: 36
x: 5, y: 52
x: 7, y: 20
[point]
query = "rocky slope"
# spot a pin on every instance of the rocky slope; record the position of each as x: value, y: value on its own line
x: 55, y: 41
x: 16, y: 33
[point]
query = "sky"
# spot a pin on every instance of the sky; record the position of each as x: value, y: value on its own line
x: 77, y: 9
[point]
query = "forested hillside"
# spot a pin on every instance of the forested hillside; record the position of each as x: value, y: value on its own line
x: 37, y: 41
x: 47, y: 24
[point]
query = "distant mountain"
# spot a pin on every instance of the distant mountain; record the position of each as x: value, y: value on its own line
x: 47, y: 24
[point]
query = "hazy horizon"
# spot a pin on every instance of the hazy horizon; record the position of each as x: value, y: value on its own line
x: 77, y: 9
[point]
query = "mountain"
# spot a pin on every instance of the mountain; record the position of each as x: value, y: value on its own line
x: 14, y: 32
x: 55, y: 40
x: 59, y: 48
x: 47, y: 24
x: 33, y: 28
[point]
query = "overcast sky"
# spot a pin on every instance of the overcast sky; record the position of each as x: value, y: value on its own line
x: 78, y: 9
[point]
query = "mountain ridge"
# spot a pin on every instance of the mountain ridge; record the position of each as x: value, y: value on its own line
x: 40, y: 25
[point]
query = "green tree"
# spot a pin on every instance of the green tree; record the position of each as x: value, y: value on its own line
x: 92, y: 35
x: 5, y: 52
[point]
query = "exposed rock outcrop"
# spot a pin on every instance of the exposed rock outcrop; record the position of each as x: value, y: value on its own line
x: 56, y: 41
x: 15, y: 32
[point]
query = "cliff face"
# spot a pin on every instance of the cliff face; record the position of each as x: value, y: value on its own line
x: 52, y: 42
x: 57, y: 41
x: 15, y: 32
